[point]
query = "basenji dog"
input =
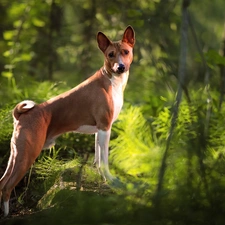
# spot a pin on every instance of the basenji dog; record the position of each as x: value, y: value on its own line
x: 91, y: 107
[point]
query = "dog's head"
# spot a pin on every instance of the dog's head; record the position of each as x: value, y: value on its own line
x: 118, y: 55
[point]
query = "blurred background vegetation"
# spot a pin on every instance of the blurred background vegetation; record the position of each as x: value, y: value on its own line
x: 172, y: 165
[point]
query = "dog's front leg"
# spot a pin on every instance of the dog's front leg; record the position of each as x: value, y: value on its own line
x: 97, y: 151
x: 102, y: 139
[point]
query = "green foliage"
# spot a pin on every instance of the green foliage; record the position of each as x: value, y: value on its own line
x: 46, y: 42
x: 58, y: 173
x: 213, y: 59
x: 48, y: 164
x: 5, y: 131
x: 194, y: 163
x: 134, y: 150
x: 5, y: 122
x: 27, y: 88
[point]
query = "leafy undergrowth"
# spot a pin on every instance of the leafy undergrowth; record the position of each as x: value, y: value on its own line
x: 65, y: 188
x: 88, y: 201
x: 79, y: 196
x: 81, y: 208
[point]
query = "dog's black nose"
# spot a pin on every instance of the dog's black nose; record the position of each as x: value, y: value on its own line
x: 121, y: 68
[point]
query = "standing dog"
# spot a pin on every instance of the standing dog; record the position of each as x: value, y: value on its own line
x: 89, y: 108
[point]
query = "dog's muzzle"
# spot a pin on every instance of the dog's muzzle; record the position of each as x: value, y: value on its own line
x: 120, y: 68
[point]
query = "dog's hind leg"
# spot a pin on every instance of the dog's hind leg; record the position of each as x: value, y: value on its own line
x: 6, y: 176
x: 17, y: 174
x: 24, y: 156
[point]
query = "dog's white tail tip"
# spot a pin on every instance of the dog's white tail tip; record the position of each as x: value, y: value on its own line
x: 22, y: 107
x: 27, y: 104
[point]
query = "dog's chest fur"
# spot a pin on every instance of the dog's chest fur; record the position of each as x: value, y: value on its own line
x: 118, y: 85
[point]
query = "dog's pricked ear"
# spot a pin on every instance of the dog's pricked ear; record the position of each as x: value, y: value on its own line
x: 129, y: 36
x: 103, y: 41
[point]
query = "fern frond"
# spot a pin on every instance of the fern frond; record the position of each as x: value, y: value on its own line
x: 133, y: 151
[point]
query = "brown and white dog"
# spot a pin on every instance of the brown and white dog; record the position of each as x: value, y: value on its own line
x: 89, y: 108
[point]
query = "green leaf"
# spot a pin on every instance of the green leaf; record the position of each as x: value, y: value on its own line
x: 7, y: 74
x: 17, y: 23
x: 8, y: 35
x: 133, y: 13
x: 38, y: 23
x: 26, y: 57
x: 6, y: 53
x: 214, y: 57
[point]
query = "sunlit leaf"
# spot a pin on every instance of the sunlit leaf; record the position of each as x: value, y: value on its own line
x: 38, y: 23
x: 8, y: 35
x: 17, y: 23
x: 26, y: 57
x: 7, y: 53
x: 7, y: 74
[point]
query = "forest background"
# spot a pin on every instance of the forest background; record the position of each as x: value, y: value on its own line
x: 168, y: 145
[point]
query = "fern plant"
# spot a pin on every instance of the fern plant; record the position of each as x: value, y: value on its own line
x: 139, y: 146
x: 135, y: 151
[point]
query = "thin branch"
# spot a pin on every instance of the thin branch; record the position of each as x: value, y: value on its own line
x: 181, y: 77
x: 50, y: 41
x: 222, y: 73
x: 22, y: 21
x: 208, y: 104
x: 206, y: 69
x: 207, y: 76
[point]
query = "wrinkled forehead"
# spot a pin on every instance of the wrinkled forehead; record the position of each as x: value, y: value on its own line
x: 117, y: 46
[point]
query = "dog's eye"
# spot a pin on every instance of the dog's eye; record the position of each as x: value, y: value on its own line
x: 111, y: 54
x: 126, y: 52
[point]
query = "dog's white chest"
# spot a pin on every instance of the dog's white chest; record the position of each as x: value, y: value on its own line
x: 117, y: 103
x: 118, y: 84
x: 87, y: 129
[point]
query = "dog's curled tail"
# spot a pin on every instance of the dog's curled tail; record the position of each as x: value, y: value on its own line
x: 22, y: 107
